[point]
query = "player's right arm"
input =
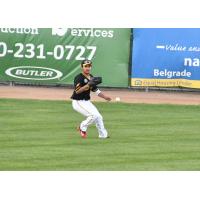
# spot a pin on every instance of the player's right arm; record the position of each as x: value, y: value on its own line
x: 78, y: 84
x: 82, y: 89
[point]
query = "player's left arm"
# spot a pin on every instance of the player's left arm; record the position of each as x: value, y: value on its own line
x: 93, y: 83
x: 100, y: 93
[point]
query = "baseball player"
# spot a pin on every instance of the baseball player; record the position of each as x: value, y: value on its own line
x: 84, y: 83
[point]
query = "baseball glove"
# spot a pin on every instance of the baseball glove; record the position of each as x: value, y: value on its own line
x: 95, y: 81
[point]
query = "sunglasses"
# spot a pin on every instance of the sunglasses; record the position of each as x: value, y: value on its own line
x: 87, y: 65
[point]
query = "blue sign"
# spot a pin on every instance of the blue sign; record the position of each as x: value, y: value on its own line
x: 166, y: 57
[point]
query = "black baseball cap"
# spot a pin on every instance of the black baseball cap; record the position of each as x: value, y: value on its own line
x: 86, y: 62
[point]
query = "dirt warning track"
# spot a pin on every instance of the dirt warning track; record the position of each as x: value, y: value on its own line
x: 128, y: 96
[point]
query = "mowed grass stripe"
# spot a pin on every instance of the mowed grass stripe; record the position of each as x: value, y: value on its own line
x: 41, y: 135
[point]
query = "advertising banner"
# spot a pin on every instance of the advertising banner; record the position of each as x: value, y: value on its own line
x: 53, y: 55
x: 166, y: 57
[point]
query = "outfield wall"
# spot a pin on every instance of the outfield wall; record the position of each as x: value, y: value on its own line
x: 138, y: 58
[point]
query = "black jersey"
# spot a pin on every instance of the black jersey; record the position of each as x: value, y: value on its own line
x: 79, y: 81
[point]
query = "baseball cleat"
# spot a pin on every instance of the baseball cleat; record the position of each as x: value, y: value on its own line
x: 104, y: 137
x: 82, y: 133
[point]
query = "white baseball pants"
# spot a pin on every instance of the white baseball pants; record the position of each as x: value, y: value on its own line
x: 87, y: 109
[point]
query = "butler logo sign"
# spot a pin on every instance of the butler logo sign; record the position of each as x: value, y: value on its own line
x: 33, y: 73
x: 53, y: 55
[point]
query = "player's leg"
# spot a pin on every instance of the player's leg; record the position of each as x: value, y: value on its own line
x: 98, y: 121
x: 101, y: 129
x: 87, y: 109
x: 83, y: 108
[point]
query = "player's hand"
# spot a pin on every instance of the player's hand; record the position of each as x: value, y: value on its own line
x: 108, y: 98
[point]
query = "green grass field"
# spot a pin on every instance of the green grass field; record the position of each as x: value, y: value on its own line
x: 41, y: 135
